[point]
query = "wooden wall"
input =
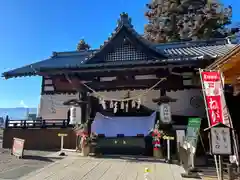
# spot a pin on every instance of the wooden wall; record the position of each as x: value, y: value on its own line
x: 40, y: 139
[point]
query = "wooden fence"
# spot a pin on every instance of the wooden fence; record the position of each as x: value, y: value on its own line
x: 39, y: 123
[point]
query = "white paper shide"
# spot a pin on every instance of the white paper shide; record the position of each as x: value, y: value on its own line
x: 221, y: 143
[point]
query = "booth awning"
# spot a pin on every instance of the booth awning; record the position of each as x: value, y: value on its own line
x: 229, y: 65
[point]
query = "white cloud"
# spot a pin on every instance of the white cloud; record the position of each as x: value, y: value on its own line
x: 23, y: 104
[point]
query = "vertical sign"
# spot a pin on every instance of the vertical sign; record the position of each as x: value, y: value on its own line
x: 213, y: 90
x: 180, y: 136
x: 221, y: 143
x: 192, y: 133
x: 217, y: 111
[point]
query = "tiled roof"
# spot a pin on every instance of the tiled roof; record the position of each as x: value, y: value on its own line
x: 168, y: 52
x: 58, y: 60
x: 76, y: 59
x: 212, y: 48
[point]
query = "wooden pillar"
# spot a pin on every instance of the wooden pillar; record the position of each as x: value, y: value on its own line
x: 163, y: 92
x: 83, y: 97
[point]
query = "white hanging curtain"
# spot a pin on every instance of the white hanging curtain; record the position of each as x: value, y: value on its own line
x: 129, y: 126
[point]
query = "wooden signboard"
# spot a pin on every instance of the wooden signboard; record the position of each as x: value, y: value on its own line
x: 221, y: 141
x: 168, y: 137
x: 61, y: 134
x: 18, y: 147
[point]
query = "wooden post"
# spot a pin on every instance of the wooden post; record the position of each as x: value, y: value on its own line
x: 6, y: 122
x: 62, y: 143
x: 83, y: 97
x: 220, y: 167
x: 230, y: 172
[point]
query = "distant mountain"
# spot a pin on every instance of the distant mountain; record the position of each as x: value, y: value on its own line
x: 16, y: 113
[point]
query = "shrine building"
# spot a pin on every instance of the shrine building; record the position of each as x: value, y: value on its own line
x: 125, y: 66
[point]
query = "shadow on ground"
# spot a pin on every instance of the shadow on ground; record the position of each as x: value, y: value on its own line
x: 133, y: 158
x: 41, y: 158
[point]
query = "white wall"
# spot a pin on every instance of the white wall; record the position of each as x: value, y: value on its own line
x: 49, y: 102
x: 180, y: 107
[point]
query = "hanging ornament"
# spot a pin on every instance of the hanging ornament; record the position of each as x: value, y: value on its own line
x: 115, y: 107
x: 127, y: 107
x: 138, y: 103
x: 102, y: 102
x: 122, y: 105
x: 133, y: 104
x: 111, y: 104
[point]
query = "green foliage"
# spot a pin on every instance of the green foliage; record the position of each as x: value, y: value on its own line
x: 176, y: 20
x: 82, y: 45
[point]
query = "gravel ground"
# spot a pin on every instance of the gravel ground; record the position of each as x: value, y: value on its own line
x: 13, y: 168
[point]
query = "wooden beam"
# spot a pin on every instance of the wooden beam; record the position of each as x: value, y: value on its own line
x: 172, y: 82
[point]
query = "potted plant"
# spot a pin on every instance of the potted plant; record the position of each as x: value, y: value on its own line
x: 85, y: 144
x: 157, y: 146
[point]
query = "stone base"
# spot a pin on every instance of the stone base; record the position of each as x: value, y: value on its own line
x: 85, y: 151
x: 191, y: 175
x: 158, y: 153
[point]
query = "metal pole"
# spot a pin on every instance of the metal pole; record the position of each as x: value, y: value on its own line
x: 220, y: 168
x: 209, y: 124
x: 168, y: 150
x: 192, y: 159
x: 62, y: 143
x: 236, y: 145
x: 216, y: 163
x: 205, y: 102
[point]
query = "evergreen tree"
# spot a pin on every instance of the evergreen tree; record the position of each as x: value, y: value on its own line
x: 82, y: 45
x: 174, y: 20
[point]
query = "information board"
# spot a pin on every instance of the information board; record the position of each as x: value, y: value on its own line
x: 192, y: 133
x: 221, y: 141
x: 18, y: 147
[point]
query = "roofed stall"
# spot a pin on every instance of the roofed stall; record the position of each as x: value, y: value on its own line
x: 229, y: 65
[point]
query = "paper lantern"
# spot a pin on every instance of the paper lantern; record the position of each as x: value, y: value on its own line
x: 75, y: 115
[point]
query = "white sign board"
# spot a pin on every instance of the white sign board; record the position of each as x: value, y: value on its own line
x: 165, y: 113
x: 221, y: 141
x: 180, y: 136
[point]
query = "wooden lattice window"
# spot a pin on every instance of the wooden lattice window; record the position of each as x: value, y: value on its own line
x: 126, y: 52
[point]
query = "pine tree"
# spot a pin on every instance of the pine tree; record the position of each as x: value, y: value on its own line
x: 82, y: 45
x: 175, y: 20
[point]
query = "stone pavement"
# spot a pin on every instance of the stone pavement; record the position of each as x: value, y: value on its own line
x: 106, y: 168
x: 13, y: 168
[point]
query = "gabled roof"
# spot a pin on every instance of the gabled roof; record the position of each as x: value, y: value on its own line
x: 125, y: 32
x: 178, y: 52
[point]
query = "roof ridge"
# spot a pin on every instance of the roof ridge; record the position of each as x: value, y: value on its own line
x: 213, y: 40
x: 124, y: 21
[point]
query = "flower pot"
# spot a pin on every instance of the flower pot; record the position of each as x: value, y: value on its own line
x: 85, y: 151
x: 158, y: 153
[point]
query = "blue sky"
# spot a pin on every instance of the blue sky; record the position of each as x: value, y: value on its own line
x: 32, y: 29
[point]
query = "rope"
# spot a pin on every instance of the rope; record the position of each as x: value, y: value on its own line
x: 119, y: 100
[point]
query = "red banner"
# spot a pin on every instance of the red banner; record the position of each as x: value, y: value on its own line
x: 213, y: 92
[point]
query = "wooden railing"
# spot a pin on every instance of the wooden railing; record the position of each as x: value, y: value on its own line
x: 39, y: 123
